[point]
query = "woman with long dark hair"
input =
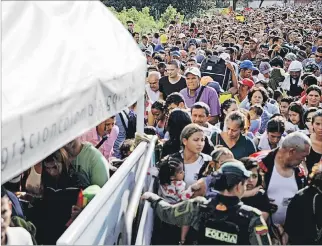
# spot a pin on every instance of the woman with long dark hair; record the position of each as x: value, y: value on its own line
x: 307, y: 118
x: 157, y: 117
x: 232, y: 137
x: 61, y: 185
x: 227, y: 106
x: 258, y: 95
x: 260, y: 200
x: 296, y: 113
x: 178, y: 119
x: 315, y: 154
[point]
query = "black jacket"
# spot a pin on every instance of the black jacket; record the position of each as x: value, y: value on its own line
x: 304, y: 217
x: 267, y: 165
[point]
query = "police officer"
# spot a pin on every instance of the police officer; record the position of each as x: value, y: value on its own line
x: 222, y: 219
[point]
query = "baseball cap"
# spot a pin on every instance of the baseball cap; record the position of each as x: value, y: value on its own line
x: 265, y: 68
x: 247, y: 64
x: 301, y: 54
x: 247, y: 82
x: 181, y: 35
x: 235, y: 168
x: 216, y: 86
x: 200, y: 58
x: 175, y: 53
x: 148, y: 53
x: 290, y: 57
x: 194, y: 71
x: 163, y: 39
x: 311, y: 68
x: 295, y: 66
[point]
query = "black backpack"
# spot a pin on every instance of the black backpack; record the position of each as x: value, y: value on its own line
x: 216, y: 68
x: 130, y: 128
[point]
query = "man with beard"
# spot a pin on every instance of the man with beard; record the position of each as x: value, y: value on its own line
x: 288, y: 60
x: 246, y: 70
x: 282, y: 168
x: 292, y: 83
x: 251, y: 54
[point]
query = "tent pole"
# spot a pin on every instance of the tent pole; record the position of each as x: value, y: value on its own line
x: 140, y: 115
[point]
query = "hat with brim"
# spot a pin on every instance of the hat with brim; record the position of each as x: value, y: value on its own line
x: 194, y: 71
x: 247, y: 64
x: 216, y: 86
x: 234, y: 168
x: 247, y: 82
x: 175, y: 54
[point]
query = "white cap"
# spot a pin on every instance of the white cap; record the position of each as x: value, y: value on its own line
x: 193, y: 70
x: 295, y: 66
x: 181, y: 35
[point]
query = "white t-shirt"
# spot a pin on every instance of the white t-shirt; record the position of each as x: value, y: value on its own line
x: 282, y: 190
x: 18, y: 236
x: 152, y: 95
x: 192, y: 171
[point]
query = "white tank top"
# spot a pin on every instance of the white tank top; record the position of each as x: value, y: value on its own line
x: 33, y: 182
x: 282, y: 190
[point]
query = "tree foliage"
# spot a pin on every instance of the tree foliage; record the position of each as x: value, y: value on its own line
x: 144, y: 22
x: 186, y: 7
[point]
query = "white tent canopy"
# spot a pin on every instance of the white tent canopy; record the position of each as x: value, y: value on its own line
x: 66, y: 67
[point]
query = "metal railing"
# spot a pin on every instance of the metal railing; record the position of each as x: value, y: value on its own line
x: 136, y: 196
x: 102, y: 220
x: 145, y: 230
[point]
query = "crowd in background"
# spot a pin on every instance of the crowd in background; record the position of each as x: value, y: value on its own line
x: 216, y: 89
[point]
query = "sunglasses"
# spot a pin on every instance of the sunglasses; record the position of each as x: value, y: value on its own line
x: 318, y: 56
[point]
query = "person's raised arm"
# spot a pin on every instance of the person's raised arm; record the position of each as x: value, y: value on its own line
x: 180, y: 214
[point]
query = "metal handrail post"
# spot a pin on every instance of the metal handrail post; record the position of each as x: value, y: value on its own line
x: 136, y: 196
x: 147, y: 206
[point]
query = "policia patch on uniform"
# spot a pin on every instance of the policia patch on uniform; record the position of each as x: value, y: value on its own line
x: 221, y: 236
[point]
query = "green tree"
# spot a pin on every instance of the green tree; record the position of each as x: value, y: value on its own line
x: 144, y: 22
x: 187, y: 7
x: 170, y: 14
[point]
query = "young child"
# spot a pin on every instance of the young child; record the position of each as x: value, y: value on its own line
x: 255, y: 112
x: 219, y: 155
x: 172, y: 187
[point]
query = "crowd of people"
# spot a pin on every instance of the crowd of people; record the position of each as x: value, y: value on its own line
x: 237, y: 108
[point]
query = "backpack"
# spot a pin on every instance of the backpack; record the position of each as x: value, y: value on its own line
x: 216, y: 68
x: 131, y: 125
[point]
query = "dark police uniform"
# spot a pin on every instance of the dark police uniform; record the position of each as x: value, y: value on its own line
x: 222, y: 219
x: 219, y: 221
x: 303, y: 222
